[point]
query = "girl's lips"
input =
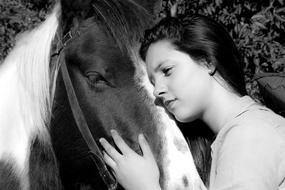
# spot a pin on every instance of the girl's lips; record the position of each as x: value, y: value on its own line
x: 168, y: 103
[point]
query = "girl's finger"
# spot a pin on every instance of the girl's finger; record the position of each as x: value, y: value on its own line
x: 145, y: 146
x: 124, y: 148
x: 109, y: 161
x: 111, y: 151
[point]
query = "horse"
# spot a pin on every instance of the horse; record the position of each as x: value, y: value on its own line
x: 95, y: 43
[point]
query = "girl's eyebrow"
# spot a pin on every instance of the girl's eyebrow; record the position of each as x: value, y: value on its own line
x: 157, y: 68
x: 160, y: 64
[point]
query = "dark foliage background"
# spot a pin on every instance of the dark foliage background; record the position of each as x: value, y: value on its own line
x: 257, y: 27
x: 17, y: 16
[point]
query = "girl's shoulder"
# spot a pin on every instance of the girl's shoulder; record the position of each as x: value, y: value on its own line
x: 255, y: 124
x: 260, y: 118
x: 253, y: 143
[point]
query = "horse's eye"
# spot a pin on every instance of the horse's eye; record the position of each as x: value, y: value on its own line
x: 95, y: 78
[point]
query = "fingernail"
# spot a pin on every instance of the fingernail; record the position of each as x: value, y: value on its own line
x: 141, y: 136
x: 101, y: 140
x: 113, y: 131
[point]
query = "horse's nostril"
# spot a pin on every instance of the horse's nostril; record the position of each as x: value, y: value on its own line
x: 158, y: 102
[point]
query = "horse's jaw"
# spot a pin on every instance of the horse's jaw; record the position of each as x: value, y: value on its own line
x: 178, y: 164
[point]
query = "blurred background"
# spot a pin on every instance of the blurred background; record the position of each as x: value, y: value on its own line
x: 257, y: 27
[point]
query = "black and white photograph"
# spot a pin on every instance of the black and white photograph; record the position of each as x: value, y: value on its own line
x: 142, y: 95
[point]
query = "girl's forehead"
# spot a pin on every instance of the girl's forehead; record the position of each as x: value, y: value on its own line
x: 161, y: 45
x: 158, y: 51
x: 164, y: 52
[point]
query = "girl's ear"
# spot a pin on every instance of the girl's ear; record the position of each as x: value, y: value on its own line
x: 209, y: 66
x: 212, y: 70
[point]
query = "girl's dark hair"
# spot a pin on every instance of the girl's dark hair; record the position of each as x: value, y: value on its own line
x: 203, y: 39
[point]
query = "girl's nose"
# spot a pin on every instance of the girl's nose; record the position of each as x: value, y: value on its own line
x: 159, y: 90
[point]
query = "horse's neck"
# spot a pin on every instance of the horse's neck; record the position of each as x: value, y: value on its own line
x: 24, y: 91
x: 20, y: 115
x: 13, y: 135
x: 177, y: 161
x: 21, y: 118
x: 25, y: 78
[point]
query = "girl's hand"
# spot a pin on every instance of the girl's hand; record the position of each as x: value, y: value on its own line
x: 133, y: 172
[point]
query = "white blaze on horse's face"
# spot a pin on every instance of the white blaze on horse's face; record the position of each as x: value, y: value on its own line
x: 178, y: 166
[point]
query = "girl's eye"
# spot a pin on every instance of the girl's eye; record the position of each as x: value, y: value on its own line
x: 166, y: 71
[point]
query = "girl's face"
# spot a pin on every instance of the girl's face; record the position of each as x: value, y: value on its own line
x: 182, y: 84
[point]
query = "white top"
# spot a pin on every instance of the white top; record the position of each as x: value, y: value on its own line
x: 249, y: 151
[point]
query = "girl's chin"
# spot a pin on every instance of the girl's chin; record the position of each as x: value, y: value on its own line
x: 185, y: 119
x: 181, y: 119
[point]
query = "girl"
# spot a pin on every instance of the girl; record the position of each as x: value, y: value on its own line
x: 197, y: 73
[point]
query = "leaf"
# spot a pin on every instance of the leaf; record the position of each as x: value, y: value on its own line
x: 280, y: 14
x: 218, y: 2
x: 272, y: 88
x: 280, y: 10
x: 257, y: 17
x: 260, y: 25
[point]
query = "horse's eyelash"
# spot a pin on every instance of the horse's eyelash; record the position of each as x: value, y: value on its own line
x: 92, y: 85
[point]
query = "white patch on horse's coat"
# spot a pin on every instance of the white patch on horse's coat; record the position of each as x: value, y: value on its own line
x: 13, y: 136
x: 25, y: 94
x: 178, y: 164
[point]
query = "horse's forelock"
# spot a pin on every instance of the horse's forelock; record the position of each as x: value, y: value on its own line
x: 124, y: 20
x: 116, y: 17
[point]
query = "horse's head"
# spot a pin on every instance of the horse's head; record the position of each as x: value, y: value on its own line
x: 100, y: 45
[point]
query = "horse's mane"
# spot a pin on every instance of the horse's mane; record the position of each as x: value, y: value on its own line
x: 31, y: 55
x: 124, y: 23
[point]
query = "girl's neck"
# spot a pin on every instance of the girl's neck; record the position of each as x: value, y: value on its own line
x: 223, y: 105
